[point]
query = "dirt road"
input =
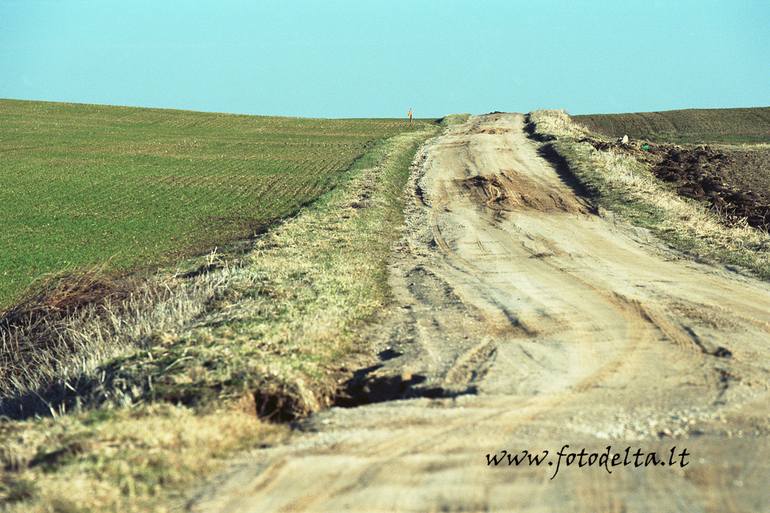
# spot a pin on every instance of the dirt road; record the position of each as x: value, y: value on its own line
x: 523, y: 320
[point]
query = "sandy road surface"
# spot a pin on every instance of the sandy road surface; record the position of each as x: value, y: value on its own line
x: 524, y: 321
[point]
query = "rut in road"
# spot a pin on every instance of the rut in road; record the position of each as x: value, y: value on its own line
x: 523, y: 320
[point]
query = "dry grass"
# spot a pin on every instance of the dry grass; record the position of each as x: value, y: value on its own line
x: 622, y: 184
x: 119, y: 461
x: 454, y: 119
x: 57, y: 336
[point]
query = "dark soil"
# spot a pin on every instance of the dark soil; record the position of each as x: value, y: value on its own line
x: 734, y: 182
x: 705, y: 174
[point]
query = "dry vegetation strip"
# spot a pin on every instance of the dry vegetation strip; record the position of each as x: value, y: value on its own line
x: 626, y: 186
x: 85, y: 184
x: 277, y: 325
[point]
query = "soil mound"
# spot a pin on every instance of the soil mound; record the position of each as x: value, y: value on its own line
x: 512, y: 191
x: 702, y: 173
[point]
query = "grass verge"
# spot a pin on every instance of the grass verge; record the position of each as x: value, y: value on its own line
x: 626, y: 186
x: 268, y: 335
x: 453, y: 119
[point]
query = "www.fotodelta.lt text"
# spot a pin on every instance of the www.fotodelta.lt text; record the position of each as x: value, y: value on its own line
x: 606, y: 459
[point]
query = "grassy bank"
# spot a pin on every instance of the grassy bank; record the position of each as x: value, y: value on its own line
x: 269, y: 334
x: 120, y: 187
x: 620, y: 183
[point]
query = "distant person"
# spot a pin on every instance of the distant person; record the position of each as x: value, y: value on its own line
x: 624, y: 140
x: 410, y: 114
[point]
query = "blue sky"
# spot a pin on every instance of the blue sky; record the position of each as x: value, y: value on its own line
x: 362, y: 58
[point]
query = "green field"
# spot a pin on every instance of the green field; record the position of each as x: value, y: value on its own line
x: 83, y: 184
x: 691, y: 126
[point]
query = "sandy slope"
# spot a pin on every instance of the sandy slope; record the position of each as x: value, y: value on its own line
x: 524, y: 321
